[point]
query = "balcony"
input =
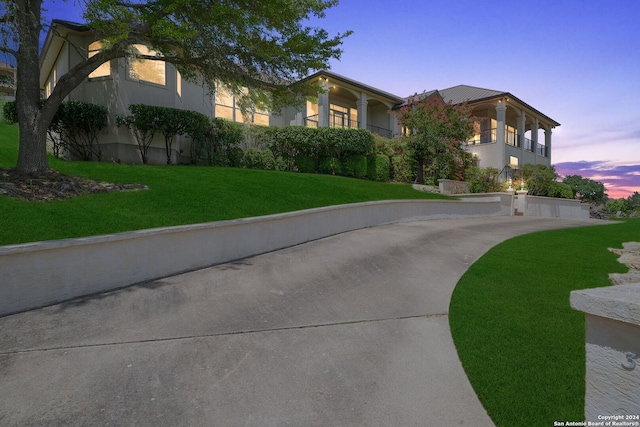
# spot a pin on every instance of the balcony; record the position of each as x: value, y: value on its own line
x: 489, y: 137
x: 341, y: 121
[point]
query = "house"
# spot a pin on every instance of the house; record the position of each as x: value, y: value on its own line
x: 509, y: 133
x: 8, y: 74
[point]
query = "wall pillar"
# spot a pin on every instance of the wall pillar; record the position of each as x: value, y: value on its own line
x: 501, y: 114
x: 323, y: 105
x: 547, y: 140
x: 362, y: 111
x: 534, y: 137
x: 522, y: 119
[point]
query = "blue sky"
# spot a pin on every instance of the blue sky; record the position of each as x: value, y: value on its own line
x: 578, y: 62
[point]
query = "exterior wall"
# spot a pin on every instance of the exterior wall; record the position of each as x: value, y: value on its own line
x: 8, y: 91
x: 556, y: 208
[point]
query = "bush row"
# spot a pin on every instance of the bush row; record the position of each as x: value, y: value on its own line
x: 75, y: 127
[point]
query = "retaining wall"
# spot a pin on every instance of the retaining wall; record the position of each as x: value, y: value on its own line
x: 42, y: 273
x: 555, y: 208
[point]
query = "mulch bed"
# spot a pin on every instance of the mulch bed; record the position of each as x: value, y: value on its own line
x: 53, y: 185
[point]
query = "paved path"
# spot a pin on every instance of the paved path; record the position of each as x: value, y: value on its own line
x: 351, y: 330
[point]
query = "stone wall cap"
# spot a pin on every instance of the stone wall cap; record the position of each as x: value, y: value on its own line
x: 619, y: 302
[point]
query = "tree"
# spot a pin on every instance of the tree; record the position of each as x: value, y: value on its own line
x: 260, y: 46
x: 436, y: 131
x: 586, y: 190
x: 632, y: 202
x: 537, y: 179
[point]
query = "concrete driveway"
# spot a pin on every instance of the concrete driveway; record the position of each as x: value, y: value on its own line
x: 350, y: 330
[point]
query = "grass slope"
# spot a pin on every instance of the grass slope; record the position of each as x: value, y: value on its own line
x: 520, y: 343
x: 177, y: 195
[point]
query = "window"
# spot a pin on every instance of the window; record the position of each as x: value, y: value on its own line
x: 227, y: 108
x: 103, y: 70
x: 147, y: 70
x: 179, y: 83
x: 343, y: 117
x: 51, y: 82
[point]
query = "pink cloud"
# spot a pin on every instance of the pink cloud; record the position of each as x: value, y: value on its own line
x: 620, y: 180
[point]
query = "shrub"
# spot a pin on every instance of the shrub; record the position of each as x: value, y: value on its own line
x: 378, y: 167
x: 259, y: 159
x: 256, y: 136
x: 355, y: 166
x: 78, y: 125
x: 143, y: 122
x: 305, y: 164
x: 329, y: 165
x: 292, y: 141
x: 10, y: 113
x: 483, y: 180
x: 234, y: 156
x: 383, y: 145
x: 539, y: 179
x: 560, y: 190
x: 402, y: 161
x: 267, y: 160
x: 252, y: 159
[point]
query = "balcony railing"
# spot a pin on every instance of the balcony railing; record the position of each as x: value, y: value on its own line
x: 380, y: 131
x: 528, y: 145
x: 311, y: 121
x: 489, y: 137
x: 543, y: 150
x: 345, y: 122
x: 485, y: 137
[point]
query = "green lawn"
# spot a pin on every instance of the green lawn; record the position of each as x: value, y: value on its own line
x: 177, y: 195
x: 521, y: 344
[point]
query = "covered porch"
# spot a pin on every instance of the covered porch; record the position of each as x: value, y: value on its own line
x: 347, y: 103
x: 511, y: 133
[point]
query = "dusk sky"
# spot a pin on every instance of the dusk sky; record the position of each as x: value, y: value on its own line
x: 577, y: 62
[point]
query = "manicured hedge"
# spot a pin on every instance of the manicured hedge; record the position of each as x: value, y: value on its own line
x: 378, y: 167
x: 355, y: 166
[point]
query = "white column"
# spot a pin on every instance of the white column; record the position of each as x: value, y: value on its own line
x: 534, y: 135
x: 547, y: 141
x: 522, y: 118
x: 501, y: 113
x: 362, y: 111
x: 323, y: 105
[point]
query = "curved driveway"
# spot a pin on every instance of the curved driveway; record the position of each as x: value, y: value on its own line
x: 350, y: 330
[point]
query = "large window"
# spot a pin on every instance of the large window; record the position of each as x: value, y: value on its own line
x: 147, y: 70
x: 227, y: 108
x: 343, y: 117
x: 179, y: 83
x: 103, y: 70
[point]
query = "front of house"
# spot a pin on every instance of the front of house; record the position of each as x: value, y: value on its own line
x: 509, y: 137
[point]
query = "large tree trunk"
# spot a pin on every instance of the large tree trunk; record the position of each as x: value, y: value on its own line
x: 32, y: 154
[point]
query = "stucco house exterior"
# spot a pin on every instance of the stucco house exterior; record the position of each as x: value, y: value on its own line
x: 510, y: 132
x: 8, y: 81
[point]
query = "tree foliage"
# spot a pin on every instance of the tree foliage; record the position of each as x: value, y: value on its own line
x: 436, y: 131
x: 542, y: 180
x: 585, y: 189
x: 143, y: 122
x: 260, y: 46
x: 483, y: 180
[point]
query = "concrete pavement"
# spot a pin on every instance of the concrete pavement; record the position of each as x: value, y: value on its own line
x: 350, y: 330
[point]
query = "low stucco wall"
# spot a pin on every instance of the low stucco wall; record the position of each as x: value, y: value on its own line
x: 612, y: 350
x: 44, y: 273
x: 505, y: 199
x: 556, y: 208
